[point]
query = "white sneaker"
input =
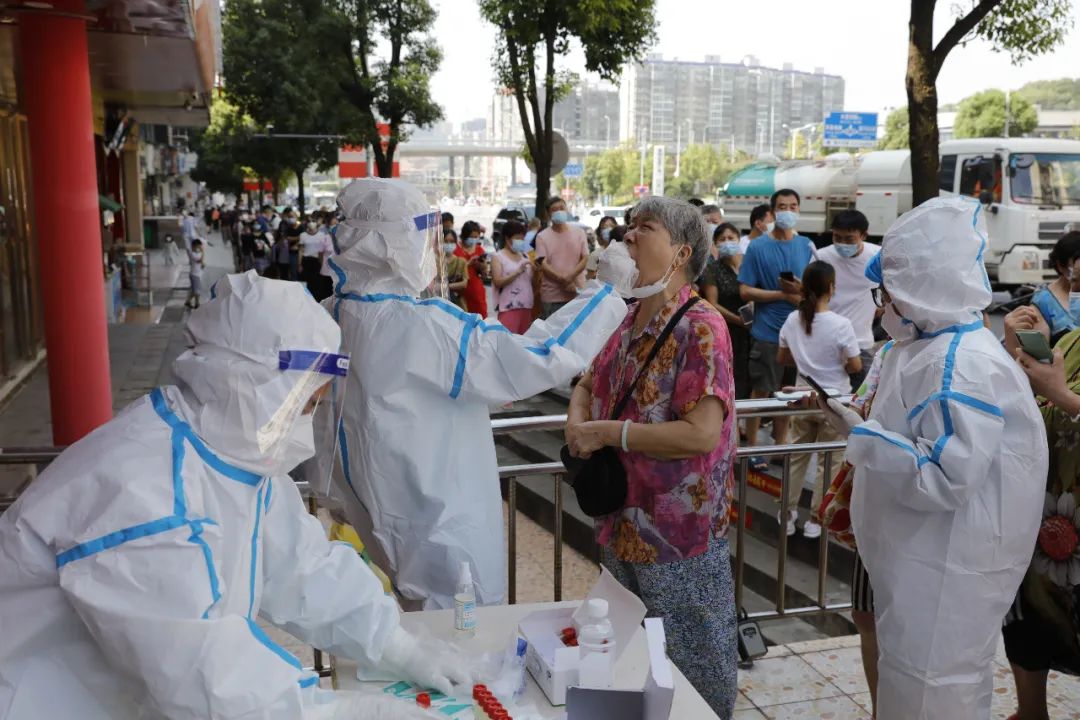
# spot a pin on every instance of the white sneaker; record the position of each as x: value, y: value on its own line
x: 792, y: 517
x: 811, y: 530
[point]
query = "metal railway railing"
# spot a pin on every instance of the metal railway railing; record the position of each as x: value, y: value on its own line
x: 39, y: 457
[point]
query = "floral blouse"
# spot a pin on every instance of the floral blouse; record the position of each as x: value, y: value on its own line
x: 673, y: 507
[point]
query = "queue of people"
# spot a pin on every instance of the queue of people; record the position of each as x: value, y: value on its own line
x: 961, y: 517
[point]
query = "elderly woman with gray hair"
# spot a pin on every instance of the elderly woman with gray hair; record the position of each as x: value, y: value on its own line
x: 676, y: 437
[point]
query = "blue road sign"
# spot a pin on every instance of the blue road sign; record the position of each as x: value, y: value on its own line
x: 572, y: 170
x: 850, y: 129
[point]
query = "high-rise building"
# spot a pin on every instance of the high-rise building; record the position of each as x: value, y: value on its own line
x: 751, y: 107
x: 588, y: 115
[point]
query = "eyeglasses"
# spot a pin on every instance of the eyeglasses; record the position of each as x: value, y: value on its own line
x: 880, y: 296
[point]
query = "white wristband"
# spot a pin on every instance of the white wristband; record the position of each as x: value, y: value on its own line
x: 625, y: 432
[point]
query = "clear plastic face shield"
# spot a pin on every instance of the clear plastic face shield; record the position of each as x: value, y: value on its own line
x: 314, y: 384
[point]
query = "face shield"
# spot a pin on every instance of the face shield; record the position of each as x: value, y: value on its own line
x: 292, y: 434
x: 411, y: 247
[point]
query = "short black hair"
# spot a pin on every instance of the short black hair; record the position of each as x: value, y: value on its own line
x: 599, y: 225
x: 696, y: 202
x: 448, y: 216
x: 1066, y: 250
x: 759, y: 213
x: 721, y: 228
x: 618, y: 233
x: 469, y: 228
x: 552, y: 200
x: 850, y: 220
x: 627, y: 215
x: 783, y: 192
x: 512, y: 228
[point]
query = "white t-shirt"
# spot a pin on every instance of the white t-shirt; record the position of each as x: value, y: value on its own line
x: 195, y: 260
x: 822, y: 354
x: 312, y: 245
x: 853, y: 299
x: 594, y: 259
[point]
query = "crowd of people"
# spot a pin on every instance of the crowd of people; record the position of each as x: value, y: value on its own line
x: 148, y: 548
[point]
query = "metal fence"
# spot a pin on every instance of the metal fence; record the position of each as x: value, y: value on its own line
x: 38, y: 457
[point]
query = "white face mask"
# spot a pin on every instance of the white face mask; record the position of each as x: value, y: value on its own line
x: 898, y: 327
x: 660, y: 285
x: 616, y: 268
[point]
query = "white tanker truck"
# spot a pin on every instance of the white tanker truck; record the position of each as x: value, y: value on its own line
x: 1030, y: 188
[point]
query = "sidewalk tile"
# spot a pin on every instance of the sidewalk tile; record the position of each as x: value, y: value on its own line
x: 843, y: 668
x: 784, y: 680
x: 833, y: 708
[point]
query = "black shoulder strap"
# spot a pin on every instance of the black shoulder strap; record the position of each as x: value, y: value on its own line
x: 664, y: 335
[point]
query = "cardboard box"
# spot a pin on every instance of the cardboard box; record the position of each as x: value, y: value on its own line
x: 553, y: 665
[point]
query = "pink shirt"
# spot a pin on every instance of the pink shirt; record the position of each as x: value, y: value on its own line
x: 673, y: 507
x: 518, y: 295
x: 562, y: 251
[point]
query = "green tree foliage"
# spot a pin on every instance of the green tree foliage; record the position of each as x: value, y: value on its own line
x: 983, y: 115
x: 533, y: 35
x: 228, y: 153
x: 380, y: 56
x: 897, y: 131
x: 1063, y: 94
x: 1021, y: 28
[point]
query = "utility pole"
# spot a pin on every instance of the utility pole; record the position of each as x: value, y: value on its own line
x: 641, y: 175
x: 1006, y: 113
x: 678, y: 149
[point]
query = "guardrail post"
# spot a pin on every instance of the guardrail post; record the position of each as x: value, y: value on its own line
x: 781, y: 550
x: 511, y: 540
x: 740, y: 531
x: 558, y: 536
x: 823, y: 541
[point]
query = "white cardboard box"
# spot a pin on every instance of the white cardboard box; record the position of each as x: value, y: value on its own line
x: 554, y: 666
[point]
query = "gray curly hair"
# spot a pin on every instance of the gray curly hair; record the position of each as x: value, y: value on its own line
x: 684, y: 223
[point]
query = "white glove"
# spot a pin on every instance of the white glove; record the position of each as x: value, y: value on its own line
x: 431, y: 664
x: 841, y: 417
x: 362, y: 706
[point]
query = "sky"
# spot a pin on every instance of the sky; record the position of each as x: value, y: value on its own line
x: 865, y: 41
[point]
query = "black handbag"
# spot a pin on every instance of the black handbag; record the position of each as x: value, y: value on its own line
x: 599, y: 481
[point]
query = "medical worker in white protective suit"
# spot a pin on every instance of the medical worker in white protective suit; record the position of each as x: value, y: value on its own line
x: 132, y: 570
x: 949, y: 471
x: 420, y: 480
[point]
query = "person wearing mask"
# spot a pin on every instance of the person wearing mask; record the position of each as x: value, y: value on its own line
x: 1058, y: 303
x: 1042, y: 630
x: 447, y: 224
x: 534, y: 228
x: 133, y: 569
x: 563, y: 252
x: 280, y: 256
x: 422, y: 509
x: 247, y: 244
x: 455, y: 270
x: 196, y: 265
x: 313, y: 245
x: 712, y: 214
x: 849, y: 254
x: 949, y: 470
x: 291, y: 230
x: 188, y: 228
x: 512, y: 280
x: 762, y: 222
x: 472, y: 252
x: 603, y: 239
x: 676, y: 438
x: 720, y: 286
x: 264, y: 219
x: 781, y: 251
x: 820, y: 344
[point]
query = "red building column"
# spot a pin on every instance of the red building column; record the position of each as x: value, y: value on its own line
x: 55, y: 94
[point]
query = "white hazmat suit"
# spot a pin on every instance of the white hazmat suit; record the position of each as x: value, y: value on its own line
x: 950, y: 470
x: 419, y: 477
x: 132, y: 570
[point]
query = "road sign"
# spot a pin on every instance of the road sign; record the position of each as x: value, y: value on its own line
x: 641, y: 190
x: 573, y: 170
x: 850, y: 129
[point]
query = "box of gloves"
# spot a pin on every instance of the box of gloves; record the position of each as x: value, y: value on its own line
x: 553, y: 657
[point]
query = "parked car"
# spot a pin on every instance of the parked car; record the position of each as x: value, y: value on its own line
x: 519, y: 213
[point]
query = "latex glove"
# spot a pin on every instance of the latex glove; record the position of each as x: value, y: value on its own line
x: 841, y: 417
x: 431, y: 663
x: 364, y: 706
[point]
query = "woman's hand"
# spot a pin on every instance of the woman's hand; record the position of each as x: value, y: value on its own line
x: 1046, y: 379
x: 1024, y: 318
x: 587, y: 437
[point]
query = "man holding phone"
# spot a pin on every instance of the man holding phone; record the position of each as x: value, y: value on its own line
x: 769, y: 277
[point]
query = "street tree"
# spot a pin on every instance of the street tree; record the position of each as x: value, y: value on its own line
x: 1063, y: 94
x: 269, y: 74
x: 897, y: 131
x: 1022, y: 28
x: 983, y: 115
x: 532, y: 36
x: 380, y: 56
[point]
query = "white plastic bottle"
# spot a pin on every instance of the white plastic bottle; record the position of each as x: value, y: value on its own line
x: 465, y: 604
x: 596, y: 641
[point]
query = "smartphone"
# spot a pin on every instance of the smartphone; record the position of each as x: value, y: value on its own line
x: 1035, y: 345
x: 822, y: 392
x: 787, y: 275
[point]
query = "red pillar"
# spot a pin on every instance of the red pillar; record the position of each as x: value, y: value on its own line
x: 56, y: 98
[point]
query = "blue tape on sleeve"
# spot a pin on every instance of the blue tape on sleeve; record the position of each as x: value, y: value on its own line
x: 430, y: 220
x: 312, y: 361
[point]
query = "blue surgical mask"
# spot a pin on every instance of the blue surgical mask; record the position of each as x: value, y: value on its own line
x: 560, y: 217
x: 1074, y: 305
x: 847, y: 251
x: 727, y: 249
x: 786, y: 219
x: 519, y: 246
x: 470, y: 242
x: 448, y: 248
x: 605, y: 234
